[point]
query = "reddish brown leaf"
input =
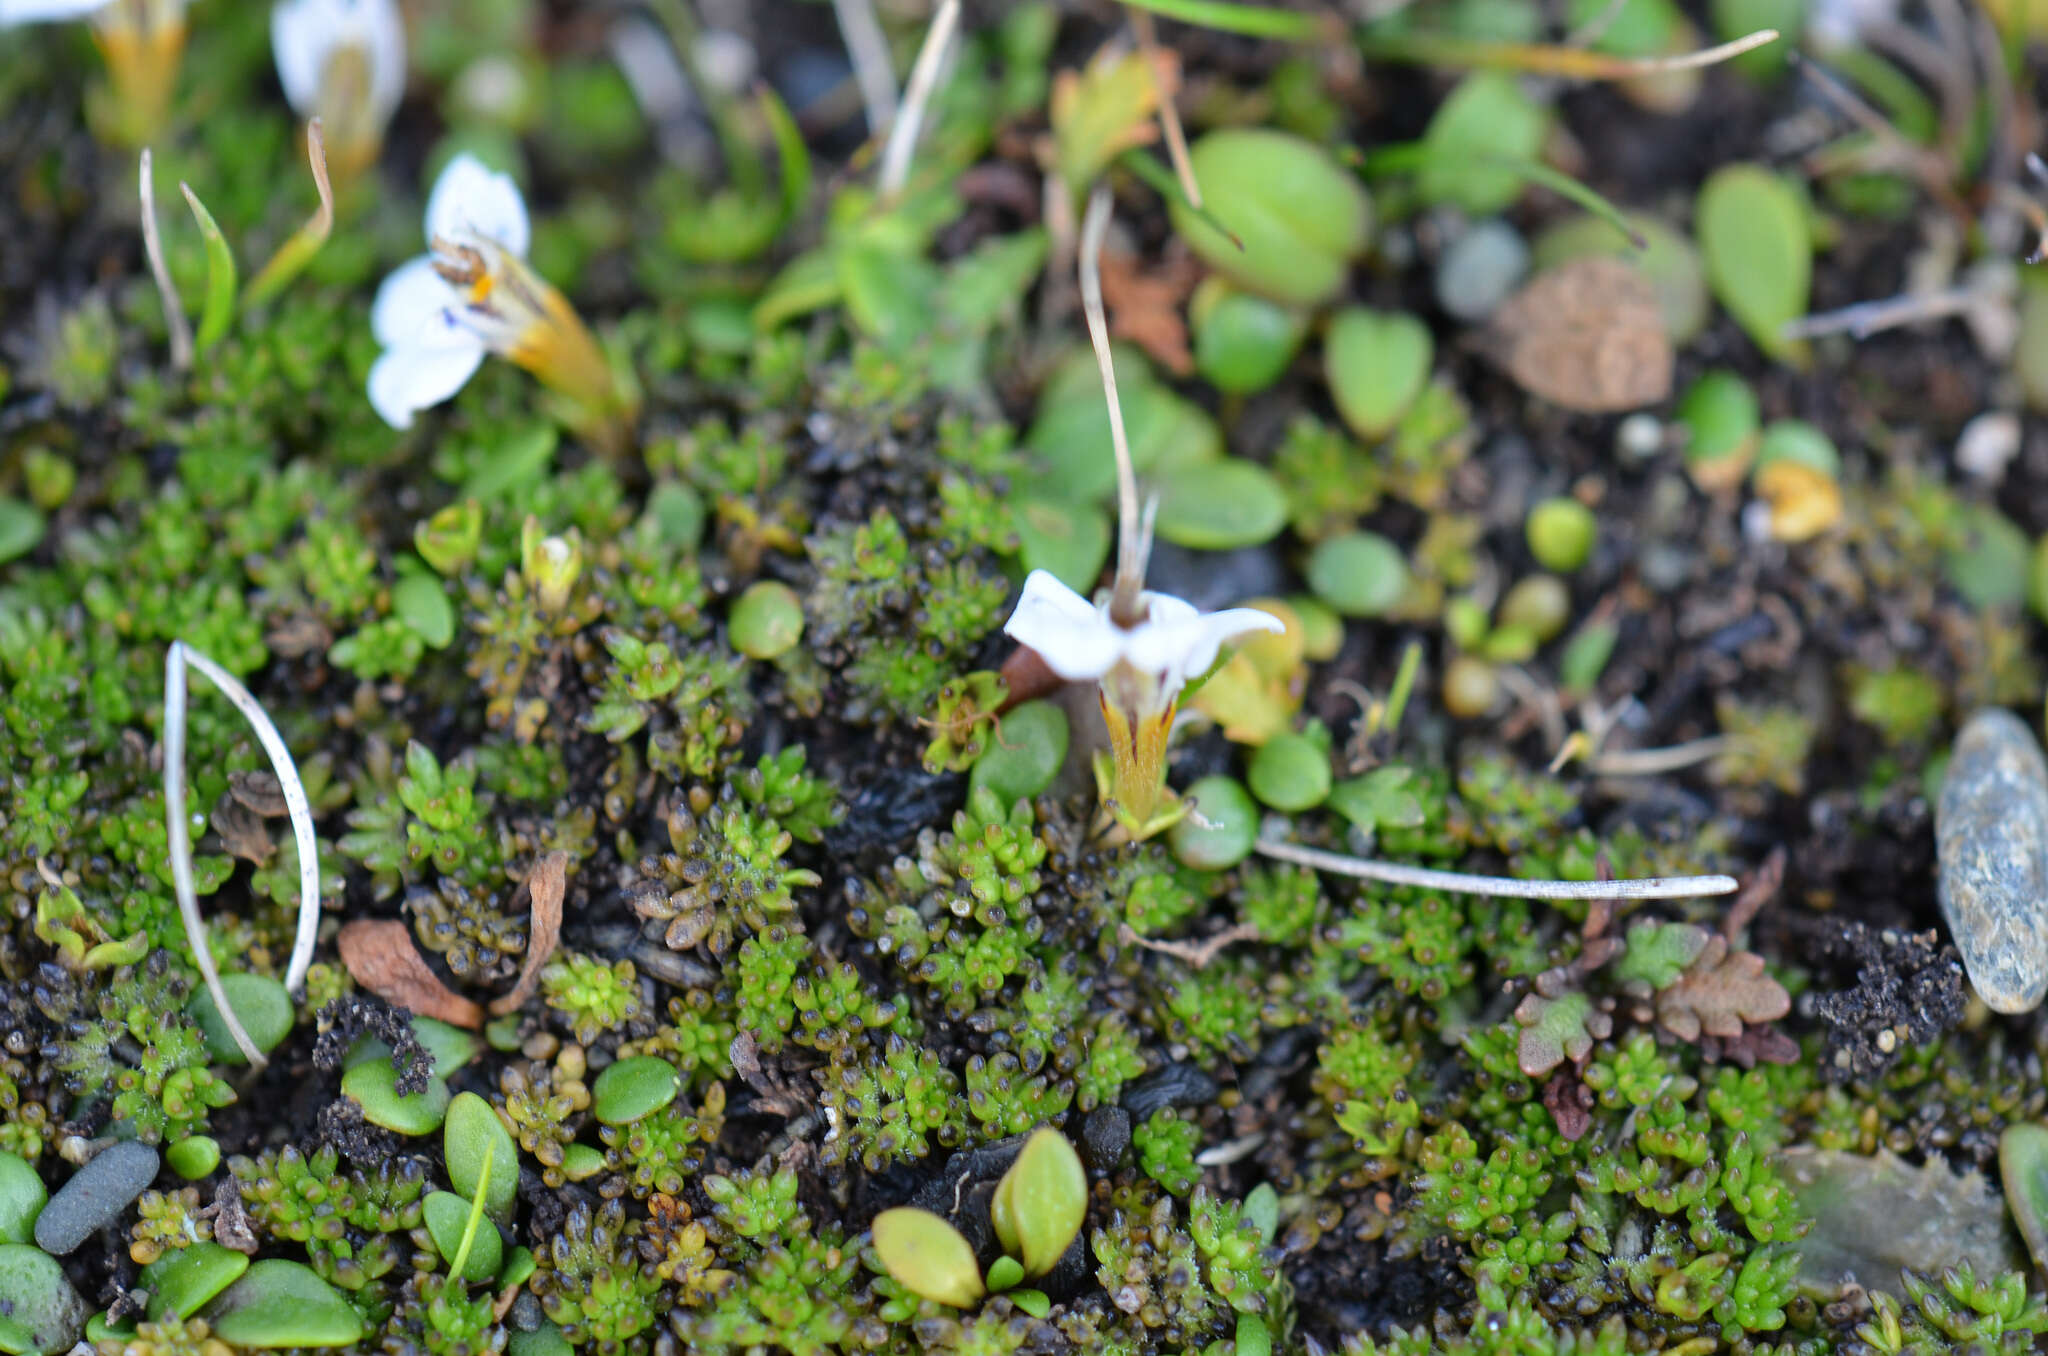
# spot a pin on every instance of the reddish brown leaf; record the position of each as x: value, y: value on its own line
x: 241, y: 831
x: 544, y: 886
x: 1570, y: 1102
x: 1145, y: 307
x: 1720, y: 992
x: 380, y: 956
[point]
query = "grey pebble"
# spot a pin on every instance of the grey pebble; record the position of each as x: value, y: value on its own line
x: 1991, y: 843
x: 1480, y: 268
x: 95, y: 1196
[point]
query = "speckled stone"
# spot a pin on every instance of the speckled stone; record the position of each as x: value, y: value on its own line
x: 95, y: 1196
x: 1991, y: 837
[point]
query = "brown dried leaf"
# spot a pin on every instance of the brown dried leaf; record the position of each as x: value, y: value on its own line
x: 545, y: 887
x: 380, y: 956
x: 1756, y: 1045
x: 1570, y: 1102
x: 260, y: 792
x: 1587, y: 335
x: 1761, y: 887
x: 1720, y: 992
x: 1145, y: 307
x: 241, y: 831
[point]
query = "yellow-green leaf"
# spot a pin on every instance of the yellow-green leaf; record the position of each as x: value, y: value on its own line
x: 928, y: 1256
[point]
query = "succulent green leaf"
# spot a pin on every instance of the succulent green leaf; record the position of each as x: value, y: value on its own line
x: 1376, y: 362
x: 475, y: 1138
x: 373, y: 1086
x: 1024, y: 754
x: 1221, y: 506
x: 1004, y: 1274
x: 1301, y: 217
x: 185, y: 1280
x: 1230, y: 829
x: 21, y: 527
x: 1758, y: 246
x: 281, y: 1303
x: 261, y: 1005
x: 633, y: 1088
x: 928, y: 1256
x: 1361, y: 574
x: 37, y: 1299
x: 22, y: 1197
x: 447, y: 1218
x: 1046, y: 1192
x: 1477, y: 141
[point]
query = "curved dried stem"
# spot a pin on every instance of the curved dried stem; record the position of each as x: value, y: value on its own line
x: 867, y: 47
x: 166, y: 290
x: 1457, y: 882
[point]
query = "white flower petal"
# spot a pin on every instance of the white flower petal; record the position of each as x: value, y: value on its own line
x: 302, y: 33
x: 45, y: 11
x: 470, y: 199
x: 1068, y: 632
x: 411, y: 302
x: 406, y: 380
x: 1184, y: 646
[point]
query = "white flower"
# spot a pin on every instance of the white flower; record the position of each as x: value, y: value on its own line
x: 439, y: 314
x: 14, y: 12
x: 306, y: 36
x: 1174, y: 643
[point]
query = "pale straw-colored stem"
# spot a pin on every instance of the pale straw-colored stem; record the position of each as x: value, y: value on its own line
x: 1130, y: 544
x: 1457, y: 882
x: 924, y: 81
x: 867, y: 47
x: 153, y: 246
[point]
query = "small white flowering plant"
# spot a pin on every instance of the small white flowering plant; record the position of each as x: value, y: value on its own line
x: 1141, y: 649
x: 472, y: 294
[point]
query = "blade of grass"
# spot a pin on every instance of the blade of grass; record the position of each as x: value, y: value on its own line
x: 1562, y: 184
x: 1254, y: 21
x: 166, y: 290
x: 219, y: 311
x: 1531, y: 58
x: 789, y: 144
x: 293, y: 256
x: 1162, y: 181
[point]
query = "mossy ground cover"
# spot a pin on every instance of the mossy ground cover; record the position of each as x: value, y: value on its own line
x: 751, y: 882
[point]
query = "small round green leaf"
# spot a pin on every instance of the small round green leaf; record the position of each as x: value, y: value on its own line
x: 1720, y: 417
x: 194, y: 1157
x: 1004, y: 1273
x: 1221, y: 505
x: 184, y: 1280
x: 1376, y: 362
x: 1231, y: 827
x: 22, y: 1197
x: 1795, y: 440
x: 1025, y: 753
x: 928, y: 1256
x: 1361, y: 574
x: 1561, y: 533
x: 473, y: 1131
x: 422, y: 604
x: 281, y: 1303
x: 261, y: 1005
x: 447, y: 1217
x: 37, y: 1297
x: 1046, y: 1197
x: 374, y: 1087
x: 767, y: 620
x: 1243, y: 342
x: 520, y: 1264
x: 633, y: 1088
x: 1758, y: 246
x: 581, y: 1162
x: 1290, y: 772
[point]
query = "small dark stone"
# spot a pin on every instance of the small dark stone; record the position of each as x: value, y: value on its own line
x: 1105, y: 1138
x: 1176, y: 1085
x: 892, y: 808
x: 525, y: 1314
x: 95, y: 1196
